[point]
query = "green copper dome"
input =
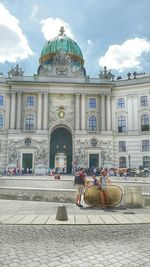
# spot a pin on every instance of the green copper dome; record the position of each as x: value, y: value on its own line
x: 59, y: 44
x: 61, y: 56
x: 62, y: 43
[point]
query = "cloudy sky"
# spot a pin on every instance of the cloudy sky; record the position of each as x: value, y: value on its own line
x: 112, y: 33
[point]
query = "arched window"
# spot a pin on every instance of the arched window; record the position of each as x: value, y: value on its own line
x: 121, y: 124
x: 92, y: 123
x: 122, y: 162
x: 145, y: 123
x: 29, y: 123
x: 146, y: 162
x: 1, y: 121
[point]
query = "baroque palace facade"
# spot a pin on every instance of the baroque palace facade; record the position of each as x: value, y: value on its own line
x: 61, y: 117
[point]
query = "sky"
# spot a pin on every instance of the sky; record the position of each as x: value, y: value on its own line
x: 111, y: 33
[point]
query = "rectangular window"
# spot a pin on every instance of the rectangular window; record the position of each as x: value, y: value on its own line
x: 122, y: 146
x: 30, y: 101
x: 144, y: 101
x: 145, y: 145
x: 1, y: 101
x: 92, y: 102
x: 121, y: 103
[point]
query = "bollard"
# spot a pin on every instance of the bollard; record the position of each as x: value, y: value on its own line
x: 61, y: 214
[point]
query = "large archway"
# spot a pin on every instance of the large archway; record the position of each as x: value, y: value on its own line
x: 61, y: 150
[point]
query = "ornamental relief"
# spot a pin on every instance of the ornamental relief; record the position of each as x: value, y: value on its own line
x: 92, y: 113
x: 3, y: 110
x: 119, y: 113
x: 63, y: 114
x: 143, y: 110
x: 14, y: 147
x: 104, y: 147
x: 41, y: 155
x: 13, y: 153
x: 40, y: 142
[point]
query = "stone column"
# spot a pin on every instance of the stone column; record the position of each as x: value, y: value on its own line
x: 108, y: 113
x: 39, y: 119
x: 19, y: 110
x: 102, y: 112
x: 83, y: 112
x: 135, y: 113
x: 77, y: 114
x: 45, y: 113
x: 7, y: 126
x: 13, y: 111
x: 130, y: 113
x: 113, y: 115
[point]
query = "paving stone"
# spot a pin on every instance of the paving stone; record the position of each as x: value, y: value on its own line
x: 108, y: 219
x: 40, y: 219
x: 81, y: 219
x: 75, y: 245
x: 95, y: 219
x: 27, y: 219
x: 122, y: 219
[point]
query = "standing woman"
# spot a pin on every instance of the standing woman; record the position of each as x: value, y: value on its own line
x: 103, y: 181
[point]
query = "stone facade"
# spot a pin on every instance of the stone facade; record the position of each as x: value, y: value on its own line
x: 61, y: 118
x: 92, y: 110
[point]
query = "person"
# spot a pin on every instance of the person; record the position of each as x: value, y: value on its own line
x: 95, y: 181
x: 57, y: 176
x: 80, y: 185
x: 103, y: 181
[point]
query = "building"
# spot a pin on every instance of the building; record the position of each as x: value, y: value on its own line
x: 61, y: 117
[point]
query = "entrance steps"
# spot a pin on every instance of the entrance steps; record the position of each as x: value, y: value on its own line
x: 46, y: 188
x: 40, y: 188
x: 66, y: 181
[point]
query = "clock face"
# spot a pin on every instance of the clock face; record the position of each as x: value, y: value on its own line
x: 61, y: 114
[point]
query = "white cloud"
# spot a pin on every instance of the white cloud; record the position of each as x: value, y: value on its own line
x: 89, y: 42
x: 35, y: 10
x: 13, y: 43
x: 51, y: 28
x: 125, y: 56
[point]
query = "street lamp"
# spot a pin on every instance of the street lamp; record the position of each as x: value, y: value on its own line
x: 129, y: 157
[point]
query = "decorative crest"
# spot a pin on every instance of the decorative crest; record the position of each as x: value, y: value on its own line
x: 61, y: 107
x: 16, y: 71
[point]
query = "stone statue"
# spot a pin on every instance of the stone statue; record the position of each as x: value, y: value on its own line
x: 106, y: 74
x: 12, y: 153
x: 62, y: 59
x: 81, y: 154
x: 41, y: 155
x: 16, y: 71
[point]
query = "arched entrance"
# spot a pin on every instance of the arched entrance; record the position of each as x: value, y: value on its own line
x: 61, y: 150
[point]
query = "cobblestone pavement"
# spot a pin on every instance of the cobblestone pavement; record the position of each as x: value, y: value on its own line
x: 74, y: 245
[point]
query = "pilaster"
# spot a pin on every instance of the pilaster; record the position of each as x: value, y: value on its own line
x: 19, y: 94
x: 39, y: 120
x: 45, y: 112
x: 13, y: 110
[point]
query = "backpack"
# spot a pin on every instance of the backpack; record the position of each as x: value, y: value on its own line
x: 79, y: 180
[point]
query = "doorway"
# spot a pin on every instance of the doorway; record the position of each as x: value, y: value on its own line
x: 93, y: 160
x: 61, y: 149
x: 27, y: 159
